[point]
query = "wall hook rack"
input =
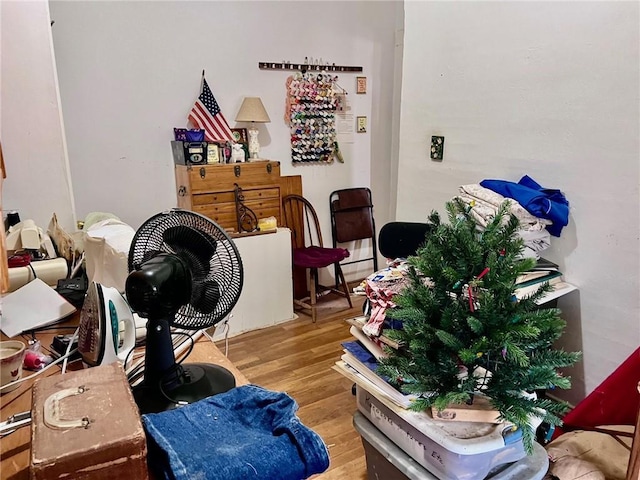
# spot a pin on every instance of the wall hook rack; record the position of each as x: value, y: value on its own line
x: 307, y: 67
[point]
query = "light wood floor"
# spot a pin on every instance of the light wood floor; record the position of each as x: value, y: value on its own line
x: 296, y: 357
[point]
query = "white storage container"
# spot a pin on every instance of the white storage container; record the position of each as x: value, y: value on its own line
x: 449, y: 450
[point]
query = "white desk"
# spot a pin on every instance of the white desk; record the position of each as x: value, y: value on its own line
x: 267, y: 294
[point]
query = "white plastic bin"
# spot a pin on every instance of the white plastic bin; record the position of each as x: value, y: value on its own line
x: 445, y: 450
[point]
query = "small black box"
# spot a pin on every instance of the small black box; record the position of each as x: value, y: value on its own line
x: 189, y: 153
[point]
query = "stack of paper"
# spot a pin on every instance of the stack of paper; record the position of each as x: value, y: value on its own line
x: 361, y: 365
x: 32, y: 306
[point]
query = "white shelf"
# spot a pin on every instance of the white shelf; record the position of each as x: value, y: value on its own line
x: 559, y: 290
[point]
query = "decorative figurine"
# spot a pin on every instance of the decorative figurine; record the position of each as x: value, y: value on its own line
x: 237, y: 153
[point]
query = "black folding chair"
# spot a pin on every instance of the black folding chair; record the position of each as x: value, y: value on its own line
x: 352, y: 219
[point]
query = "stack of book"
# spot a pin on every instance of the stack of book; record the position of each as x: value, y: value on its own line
x: 529, y: 282
x: 360, y: 363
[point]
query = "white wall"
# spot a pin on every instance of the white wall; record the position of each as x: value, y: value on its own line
x: 130, y: 72
x: 38, y: 183
x: 548, y: 89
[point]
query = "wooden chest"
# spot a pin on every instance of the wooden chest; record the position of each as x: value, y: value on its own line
x: 109, y: 444
x: 210, y: 190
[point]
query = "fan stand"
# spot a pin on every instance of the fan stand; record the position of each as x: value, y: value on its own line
x: 166, y: 384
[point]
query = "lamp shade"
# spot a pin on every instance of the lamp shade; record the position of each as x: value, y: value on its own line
x: 252, y: 110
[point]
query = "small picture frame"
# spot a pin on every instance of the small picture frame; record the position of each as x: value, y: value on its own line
x: 361, y: 124
x: 240, y: 136
x: 213, y: 153
x: 225, y: 152
x: 361, y: 85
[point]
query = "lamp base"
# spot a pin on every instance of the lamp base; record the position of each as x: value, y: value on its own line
x: 254, y: 145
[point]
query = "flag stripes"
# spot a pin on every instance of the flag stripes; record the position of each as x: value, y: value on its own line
x: 206, y: 115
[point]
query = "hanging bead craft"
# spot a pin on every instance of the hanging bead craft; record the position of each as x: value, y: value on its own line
x: 310, y: 108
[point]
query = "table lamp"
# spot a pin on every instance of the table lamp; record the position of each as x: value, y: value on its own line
x: 253, y: 111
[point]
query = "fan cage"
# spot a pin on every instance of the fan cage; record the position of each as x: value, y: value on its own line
x: 225, y: 265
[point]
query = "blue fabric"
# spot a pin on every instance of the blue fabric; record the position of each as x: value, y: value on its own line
x: 542, y: 202
x: 246, y: 433
x: 358, y: 350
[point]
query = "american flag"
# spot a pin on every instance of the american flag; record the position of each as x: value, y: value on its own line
x: 206, y: 115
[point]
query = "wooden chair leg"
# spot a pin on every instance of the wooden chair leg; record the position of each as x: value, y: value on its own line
x: 345, y: 287
x: 313, y: 279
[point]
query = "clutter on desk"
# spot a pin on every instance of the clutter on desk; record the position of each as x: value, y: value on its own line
x: 39, y: 261
x: 66, y: 244
x: 12, y: 354
x: 35, y: 359
x: 49, y: 271
x: 26, y: 235
x: 246, y: 432
x: 34, y: 253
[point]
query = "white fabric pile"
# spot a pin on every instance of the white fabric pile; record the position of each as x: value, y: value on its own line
x: 484, y: 204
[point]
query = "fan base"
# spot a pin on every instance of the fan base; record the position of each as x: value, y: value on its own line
x: 199, y: 380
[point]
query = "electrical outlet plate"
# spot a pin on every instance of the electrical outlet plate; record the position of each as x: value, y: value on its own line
x: 437, y: 148
x: 361, y: 124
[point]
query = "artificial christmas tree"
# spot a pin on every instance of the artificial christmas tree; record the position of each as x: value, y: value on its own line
x: 464, y: 332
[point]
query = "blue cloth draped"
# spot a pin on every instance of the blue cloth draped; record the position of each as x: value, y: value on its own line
x: 542, y: 202
x: 246, y: 433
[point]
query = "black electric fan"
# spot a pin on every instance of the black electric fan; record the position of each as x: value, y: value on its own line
x: 184, y: 271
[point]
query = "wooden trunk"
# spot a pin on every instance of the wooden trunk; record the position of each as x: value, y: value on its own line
x: 210, y: 190
x: 112, y: 445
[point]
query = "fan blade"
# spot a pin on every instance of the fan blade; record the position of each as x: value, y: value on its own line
x: 205, y: 296
x: 148, y: 256
x: 184, y: 238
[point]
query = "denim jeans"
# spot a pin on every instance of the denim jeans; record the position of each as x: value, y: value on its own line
x: 246, y: 433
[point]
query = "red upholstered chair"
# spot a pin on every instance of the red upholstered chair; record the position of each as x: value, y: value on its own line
x: 309, y: 251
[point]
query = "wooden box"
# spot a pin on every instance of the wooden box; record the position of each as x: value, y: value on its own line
x: 481, y: 410
x: 110, y: 445
x: 210, y: 190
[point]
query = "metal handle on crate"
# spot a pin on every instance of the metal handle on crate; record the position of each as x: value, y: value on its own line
x: 52, y: 413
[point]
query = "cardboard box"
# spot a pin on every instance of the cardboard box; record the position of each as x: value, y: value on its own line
x: 86, y: 426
